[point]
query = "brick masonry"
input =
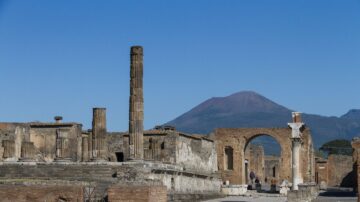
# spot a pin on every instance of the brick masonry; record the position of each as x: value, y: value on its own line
x: 41, y: 193
x: 137, y: 194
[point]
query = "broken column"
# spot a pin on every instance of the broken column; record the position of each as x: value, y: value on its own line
x: 296, y: 127
x: 9, y: 150
x: 62, y: 146
x: 99, y: 150
x: 136, y: 108
x: 27, y: 151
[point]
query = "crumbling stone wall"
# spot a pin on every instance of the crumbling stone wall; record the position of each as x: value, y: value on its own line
x: 254, y: 154
x: 272, y: 166
x: 13, y: 134
x: 137, y: 193
x: 356, y: 162
x: 340, y: 171
x: 41, y: 193
x: 118, y: 144
x: 196, y: 154
x: 321, y: 172
x: 44, y: 136
x: 337, y: 170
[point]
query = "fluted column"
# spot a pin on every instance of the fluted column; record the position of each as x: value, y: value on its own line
x: 136, y: 104
x: 99, y: 149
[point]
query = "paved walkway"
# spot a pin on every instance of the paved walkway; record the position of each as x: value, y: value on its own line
x: 331, y: 195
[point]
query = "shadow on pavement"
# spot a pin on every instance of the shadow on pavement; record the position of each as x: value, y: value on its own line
x: 336, y: 192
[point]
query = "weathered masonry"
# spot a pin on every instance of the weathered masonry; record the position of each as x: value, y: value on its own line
x: 139, y: 163
x: 232, y: 143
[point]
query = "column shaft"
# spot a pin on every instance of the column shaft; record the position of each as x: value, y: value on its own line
x: 136, y: 104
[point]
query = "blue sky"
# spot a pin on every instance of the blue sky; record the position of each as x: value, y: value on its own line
x: 65, y: 57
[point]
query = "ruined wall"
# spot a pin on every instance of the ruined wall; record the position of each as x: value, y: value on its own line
x: 340, y: 169
x: 256, y: 161
x: 307, y: 157
x: 321, y: 170
x: 12, y: 134
x: 196, y: 154
x: 137, y: 193
x: 118, y: 144
x: 45, y: 139
x: 272, y: 166
x: 188, y: 182
x: 40, y: 193
x: 160, y: 146
x: 356, y: 163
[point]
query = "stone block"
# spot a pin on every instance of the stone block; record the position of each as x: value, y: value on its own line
x: 234, y: 190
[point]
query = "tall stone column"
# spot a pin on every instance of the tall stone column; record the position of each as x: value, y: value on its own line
x: 296, y: 127
x: 136, y: 105
x: 99, y: 149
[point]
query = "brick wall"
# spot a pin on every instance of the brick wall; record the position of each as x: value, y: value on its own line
x: 41, y: 193
x: 340, y: 169
x: 128, y: 193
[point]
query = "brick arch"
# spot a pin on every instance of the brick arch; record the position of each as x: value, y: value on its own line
x: 239, y: 138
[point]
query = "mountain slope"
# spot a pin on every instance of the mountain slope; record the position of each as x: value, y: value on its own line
x: 249, y: 109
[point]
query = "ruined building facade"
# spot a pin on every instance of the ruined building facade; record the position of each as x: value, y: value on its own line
x: 161, y: 160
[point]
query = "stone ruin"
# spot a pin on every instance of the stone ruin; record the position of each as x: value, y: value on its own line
x: 160, y: 164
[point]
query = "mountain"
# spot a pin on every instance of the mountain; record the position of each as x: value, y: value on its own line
x: 249, y: 109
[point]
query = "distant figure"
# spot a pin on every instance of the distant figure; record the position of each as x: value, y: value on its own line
x: 257, y: 181
x: 265, y: 179
x: 252, y: 177
x: 257, y: 184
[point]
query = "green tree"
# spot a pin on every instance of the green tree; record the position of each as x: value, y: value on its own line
x: 339, y: 146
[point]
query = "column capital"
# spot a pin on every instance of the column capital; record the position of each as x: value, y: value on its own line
x: 296, y: 129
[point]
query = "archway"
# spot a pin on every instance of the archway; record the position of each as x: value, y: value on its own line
x: 262, y: 162
x: 238, y: 138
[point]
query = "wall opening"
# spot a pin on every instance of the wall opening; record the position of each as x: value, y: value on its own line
x: 119, y: 156
x: 229, y: 165
x: 274, y: 171
x: 262, y: 153
x: 172, y: 184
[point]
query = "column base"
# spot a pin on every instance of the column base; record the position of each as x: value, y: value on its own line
x: 98, y: 160
x: 12, y: 159
x: 26, y: 159
x: 62, y: 159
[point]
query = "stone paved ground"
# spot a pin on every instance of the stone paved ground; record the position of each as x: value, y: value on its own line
x: 336, y: 195
x: 249, y: 199
x: 332, y: 195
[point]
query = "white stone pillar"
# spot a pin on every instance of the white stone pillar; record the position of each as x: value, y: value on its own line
x: 296, y: 175
x: 296, y: 127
